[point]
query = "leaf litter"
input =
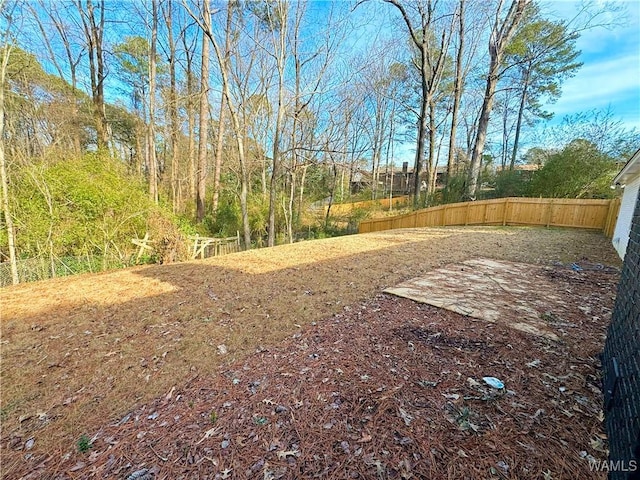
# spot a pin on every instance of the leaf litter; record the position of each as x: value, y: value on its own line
x: 397, y: 382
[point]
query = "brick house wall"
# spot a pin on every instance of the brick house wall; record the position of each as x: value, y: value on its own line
x: 621, y: 365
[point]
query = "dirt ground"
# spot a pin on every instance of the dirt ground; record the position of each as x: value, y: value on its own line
x: 290, y: 363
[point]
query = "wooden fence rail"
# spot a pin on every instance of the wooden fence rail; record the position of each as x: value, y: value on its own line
x: 384, y: 203
x: 549, y: 212
x: 204, y: 247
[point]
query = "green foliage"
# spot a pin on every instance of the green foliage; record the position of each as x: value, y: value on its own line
x: 356, y: 216
x: 454, y: 190
x: 511, y: 183
x: 39, y: 103
x: 84, y: 444
x: 259, y: 214
x: 545, y: 53
x: 269, y: 14
x: 580, y: 170
x: 228, y: 218
x: 132, y: 55
x: 84, y: 205
x: 318, y: 182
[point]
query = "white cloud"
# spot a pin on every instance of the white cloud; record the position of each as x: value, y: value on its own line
x: 606, y: 80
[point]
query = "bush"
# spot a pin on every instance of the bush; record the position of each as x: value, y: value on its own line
x: 83, y: 206
x: 580, y: 170
x: 511, y: 183
x: 455, y: 189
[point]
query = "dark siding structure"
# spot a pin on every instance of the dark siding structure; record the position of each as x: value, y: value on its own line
x: 621, y: 365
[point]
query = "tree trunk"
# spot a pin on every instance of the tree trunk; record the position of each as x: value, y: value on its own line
x: 218, y: 159
x: 281, y: 53
x: 457, y: 92
x: 6, y: 206
x: 95, y: 32
x: 481, y: 135
x: 237, y: 130
x: 523, y: 103
x: 500, y: 37
x: 173, y: 111
x: 505, y: 131
x: 419, y: 159
x: 203, y: 134
x: 151, y: 128
x: 292, y: 194
x: 431, y: 176
x: 191, y: 117
x: 377, y: 149
x: 221, y: 118
x: 331, y: 193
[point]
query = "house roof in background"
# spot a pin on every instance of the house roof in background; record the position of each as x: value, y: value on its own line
x: 524, y: 167
x: 629, y: 171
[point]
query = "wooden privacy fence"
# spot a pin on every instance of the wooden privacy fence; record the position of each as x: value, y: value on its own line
x: 549, y: 212
x: 346, y: 208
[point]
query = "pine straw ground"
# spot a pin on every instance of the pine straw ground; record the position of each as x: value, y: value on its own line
x: 290, y: 363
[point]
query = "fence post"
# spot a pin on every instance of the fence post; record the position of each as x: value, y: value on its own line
x: 550, y: 214
x: 195, y: 246
x: 504, y: 214
x: 610, y: 221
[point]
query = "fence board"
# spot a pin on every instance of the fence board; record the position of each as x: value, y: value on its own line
x: 383, y: 203
x: 550, y: 212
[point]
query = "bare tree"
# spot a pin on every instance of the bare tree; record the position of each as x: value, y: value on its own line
x: 221, y: 116
x: 5, y: 52
x: 188, y: 44
x: 173, y: 107
x: 457, y: 86
x: 93, y: 24
x: 152, y: 163
x: 279, y: 44
x: 203, y: 134
x: 47, y: 34
x: 431, y: 62
x: 501, y: 33
x: 235, y: 119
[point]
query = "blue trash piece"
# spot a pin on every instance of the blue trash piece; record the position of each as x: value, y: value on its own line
x: 493, y: 382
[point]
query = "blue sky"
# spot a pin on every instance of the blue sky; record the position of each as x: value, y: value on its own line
x: 609, y: 79
x: 610, y: 76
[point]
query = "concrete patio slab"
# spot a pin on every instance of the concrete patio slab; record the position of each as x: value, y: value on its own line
x: 514, y: 294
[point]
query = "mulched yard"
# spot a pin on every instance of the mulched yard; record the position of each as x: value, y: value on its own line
x: 352, y: 385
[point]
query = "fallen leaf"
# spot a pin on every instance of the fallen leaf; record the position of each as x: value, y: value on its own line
x: 405, y: 416
x: 77, y: 466
x: 597, y: 444
x: 208, y: 434
x: 288, y: 453
x: 451, y: 396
